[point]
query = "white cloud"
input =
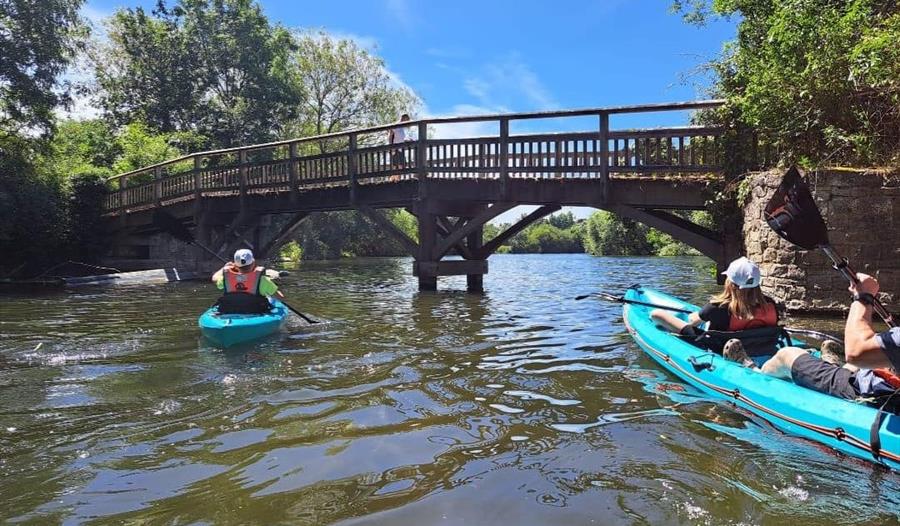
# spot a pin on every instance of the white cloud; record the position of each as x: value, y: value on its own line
x: 401, y: 13
x: 510, y: 78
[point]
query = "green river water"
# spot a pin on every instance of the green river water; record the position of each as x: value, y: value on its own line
x: 520, y: 406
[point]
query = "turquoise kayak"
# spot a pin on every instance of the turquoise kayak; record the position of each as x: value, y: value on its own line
x: 225, y: 330
x: 840, y: 424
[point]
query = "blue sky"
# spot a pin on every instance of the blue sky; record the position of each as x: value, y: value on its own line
x: 490, y: 56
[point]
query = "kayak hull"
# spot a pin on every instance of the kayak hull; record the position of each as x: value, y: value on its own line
x: 837, y: 423
x: 227, y: 330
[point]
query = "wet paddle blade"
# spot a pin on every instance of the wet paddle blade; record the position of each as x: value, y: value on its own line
x: 166, y: 221
x: 792, y: 213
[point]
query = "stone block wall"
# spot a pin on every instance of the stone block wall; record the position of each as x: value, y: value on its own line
x: 862, y: 211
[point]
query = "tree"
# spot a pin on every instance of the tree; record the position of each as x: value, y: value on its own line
x: 216, y: 67
x: 345, y: 86
x: 37, y: 42
x: 609, y: 235
x: 819, y: 79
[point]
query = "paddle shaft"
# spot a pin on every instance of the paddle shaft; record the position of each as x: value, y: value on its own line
x: 295, y: 311
x: 843, y: 266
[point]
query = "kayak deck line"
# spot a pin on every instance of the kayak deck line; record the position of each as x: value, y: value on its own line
x: 837, y: 433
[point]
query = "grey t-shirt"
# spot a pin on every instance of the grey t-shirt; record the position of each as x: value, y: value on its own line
x: 867, y: 383
x: 890, y: 342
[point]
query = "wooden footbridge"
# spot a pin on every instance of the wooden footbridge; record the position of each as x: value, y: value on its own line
x: 258, y: 195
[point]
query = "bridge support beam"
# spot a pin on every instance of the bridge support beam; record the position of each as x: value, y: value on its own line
x: 704, y: 240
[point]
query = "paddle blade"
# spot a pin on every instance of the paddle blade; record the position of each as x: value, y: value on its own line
x: 171, y: 224
x: 792, y: 213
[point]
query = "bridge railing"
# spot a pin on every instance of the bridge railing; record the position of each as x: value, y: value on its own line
x: 357, y: 158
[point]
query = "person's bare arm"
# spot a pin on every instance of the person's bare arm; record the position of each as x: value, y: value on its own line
x: 862, y: 347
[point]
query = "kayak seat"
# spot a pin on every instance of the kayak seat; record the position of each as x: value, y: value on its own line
x: 240, y: 303
x: 764, y: 341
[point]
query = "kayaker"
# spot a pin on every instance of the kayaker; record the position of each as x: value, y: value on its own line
x: 872, y: 359
x: 247, y: 286
x: 741, y: 305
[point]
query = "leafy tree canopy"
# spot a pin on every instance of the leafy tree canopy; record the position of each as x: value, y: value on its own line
x: 38, y: 39
x: 819, y: 79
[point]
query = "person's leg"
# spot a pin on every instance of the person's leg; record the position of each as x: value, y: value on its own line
x: 781, y: 364
x: 668, y: 320
x: 812, y: 373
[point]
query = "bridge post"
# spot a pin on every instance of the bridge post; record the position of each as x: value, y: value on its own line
x: 292, y: 172
x: 504, y: 157
x: 427, y: 240
x: 422, y: 172
x: 123, y: 185
x: 198, y: 180
x: 603, y: 137
x: 157, y: 186
x: 351, y: 167
x: 242, y: 174
x: 475, y: 282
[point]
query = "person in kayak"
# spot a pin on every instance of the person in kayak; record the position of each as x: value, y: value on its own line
x: 246, y: 286
x: 872, y: 359
x: 741, y: 305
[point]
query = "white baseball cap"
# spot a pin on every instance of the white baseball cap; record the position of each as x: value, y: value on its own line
x: 243, y: 257
x: 743, y: 273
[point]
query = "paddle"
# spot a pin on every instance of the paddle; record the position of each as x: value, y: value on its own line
x: 171, y: 224
x: 793, y: 215
x: 623, y: 299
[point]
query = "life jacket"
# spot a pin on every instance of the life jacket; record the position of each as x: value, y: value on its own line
x: 888, y: 376
x: 764, y: 316
x: 243, y: 283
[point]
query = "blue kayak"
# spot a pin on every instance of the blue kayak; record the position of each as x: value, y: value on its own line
x: 226, y: 330
x: 841, y: 424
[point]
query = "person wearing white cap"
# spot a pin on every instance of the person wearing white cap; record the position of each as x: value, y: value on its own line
x: 741, y: 305
x: 246, y: 286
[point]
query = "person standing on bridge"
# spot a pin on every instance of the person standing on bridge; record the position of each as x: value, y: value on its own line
x: 398, y: 135
x: 247, y: 287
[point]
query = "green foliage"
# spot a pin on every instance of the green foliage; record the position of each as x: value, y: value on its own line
x: 87, y: 192
x: 344, y: 85
x: 606, y: 234
x: 333, y: 235
x: 819, y: 79
x: 291, y: 252
x: 37, y: 42
x: 216, y: 67
x: 33, y: 221
x: 139, y: 147
x: 80, y: 146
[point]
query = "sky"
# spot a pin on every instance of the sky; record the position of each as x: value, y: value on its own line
x: 493, y: 56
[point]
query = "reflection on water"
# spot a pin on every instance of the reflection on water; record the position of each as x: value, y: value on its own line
x: 519, y: 406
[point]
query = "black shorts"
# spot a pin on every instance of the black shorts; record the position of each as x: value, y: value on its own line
x: 398, y: 158
x: 824, y: 377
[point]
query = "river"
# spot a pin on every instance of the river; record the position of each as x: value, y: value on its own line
x: 520, y: 406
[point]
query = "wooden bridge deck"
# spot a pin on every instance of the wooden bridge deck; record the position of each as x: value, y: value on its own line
x: 633, y: 172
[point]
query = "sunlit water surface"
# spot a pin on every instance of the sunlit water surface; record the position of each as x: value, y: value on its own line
x: 519, y: 406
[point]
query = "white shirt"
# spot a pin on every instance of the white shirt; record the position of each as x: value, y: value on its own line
x: 400, y: 134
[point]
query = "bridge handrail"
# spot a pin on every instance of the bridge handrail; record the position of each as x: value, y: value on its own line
x: 644, y: 108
